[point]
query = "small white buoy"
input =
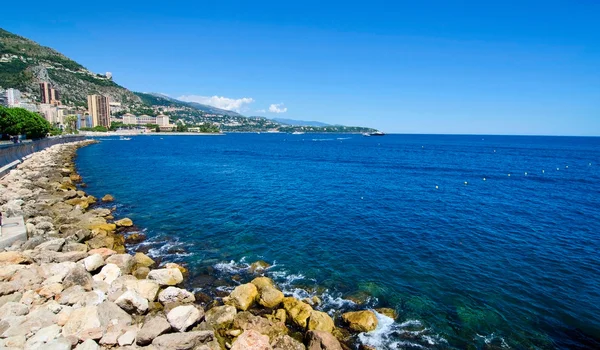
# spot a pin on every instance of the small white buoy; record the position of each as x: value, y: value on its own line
x: 525, y: 173
x: 484, y: 179
x: 543, y: 171
x: 508, y: 175
x: 590, y: 164
x: 466, y: 183
x: 494, y: 151
x: 362, y: 197
x: 557, y: 169
x: 567, y: 167
x: 437, y: 187
x: 422, y: 146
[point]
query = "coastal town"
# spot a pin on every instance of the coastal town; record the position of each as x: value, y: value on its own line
x: 101, y: 113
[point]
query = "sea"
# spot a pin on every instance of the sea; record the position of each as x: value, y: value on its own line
x: 477, y: 242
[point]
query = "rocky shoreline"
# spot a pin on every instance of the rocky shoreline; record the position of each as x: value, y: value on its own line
x: 72, y: 285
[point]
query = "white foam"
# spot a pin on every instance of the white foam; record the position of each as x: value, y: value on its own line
x: 232, y: 266
x: 379, y: 337
x: 388, y: 333
x: 488, y: 339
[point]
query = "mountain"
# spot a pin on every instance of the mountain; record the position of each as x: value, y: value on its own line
x: 25, y: 63
x: 299, y: 122
x: 161, y: 98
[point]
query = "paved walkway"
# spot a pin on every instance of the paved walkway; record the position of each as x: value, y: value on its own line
x: 12, y: 230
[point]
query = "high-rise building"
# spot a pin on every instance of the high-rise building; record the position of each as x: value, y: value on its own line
x: 13, y: 97
x: 162, y: 120
x: 99, y: 108
x: 45, y: 92
x: 48, y: 94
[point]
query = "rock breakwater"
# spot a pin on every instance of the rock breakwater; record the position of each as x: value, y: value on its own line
x: 72, y: 285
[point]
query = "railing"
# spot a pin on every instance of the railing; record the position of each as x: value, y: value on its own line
x: 13, y: 154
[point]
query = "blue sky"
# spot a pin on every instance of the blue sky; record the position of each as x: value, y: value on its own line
x: 491, y: 67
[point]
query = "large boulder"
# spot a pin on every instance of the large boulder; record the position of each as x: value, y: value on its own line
x: 320, y: 340
x: 152, y: 328
x: 285, y: 342
x: 247, y: 321
x: 125, y: 222
x: 93, y: 262
x: 42, y: 337
x: 361, y: 321
x: 183, y: 317
x: 142, y: 259
x: 131, y: 301
x: 10, y: 258
x: 78, y: 276
x: 82, y: 322
x: 124, y: 261
x: 243, y: 296
x: 269, y: 295
x: 297, y: 310
x: 320, y: 321
x: 251, y: 340
x: 166, y: 277
x: 108, y: 274
x: 11, y: 309
x: 52, y: 245
x: 88, y: 345
x: 176, y: 295
x: 146, y: 288
x: 220, y: 316
x: 391, y: 313
x: 108, y: 198
x: 183, y: 341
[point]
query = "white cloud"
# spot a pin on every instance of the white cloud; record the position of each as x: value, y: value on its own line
x: 277, y: 108
x: 230, y: 104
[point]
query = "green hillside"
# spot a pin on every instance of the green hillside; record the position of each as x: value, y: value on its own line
x: 25, y: 63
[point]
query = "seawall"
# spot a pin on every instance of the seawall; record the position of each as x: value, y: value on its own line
x: 13, y: 154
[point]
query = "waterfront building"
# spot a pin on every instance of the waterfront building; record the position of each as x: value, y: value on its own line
x: 162, y: 120
x: 129, y: 119
x: 49, y: 112
x: 146, y: 119
x: 99, y: 108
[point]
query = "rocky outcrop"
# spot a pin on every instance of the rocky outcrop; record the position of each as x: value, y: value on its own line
x: 320, y: 321
x: 361, y: 321
x: 183, y: 317
x: 243, y: 296
x: 320, y: 340
x: 166, y: 277
x: 298, y: 311
x: 252, y: 340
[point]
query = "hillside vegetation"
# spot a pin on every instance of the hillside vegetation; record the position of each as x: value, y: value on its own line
x: 25, y: 63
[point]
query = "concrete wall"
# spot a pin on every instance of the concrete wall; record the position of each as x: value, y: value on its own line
x: 13, y: 154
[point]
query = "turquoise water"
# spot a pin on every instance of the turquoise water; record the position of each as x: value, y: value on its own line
x: 511, y: 261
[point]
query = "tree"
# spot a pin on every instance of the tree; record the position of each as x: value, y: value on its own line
x: 157, y: 129
x: 181, y: 127
x: 70, y: 123
x: 19, y: 121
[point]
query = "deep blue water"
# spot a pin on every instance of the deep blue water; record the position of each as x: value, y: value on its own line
x: 505, y: 262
